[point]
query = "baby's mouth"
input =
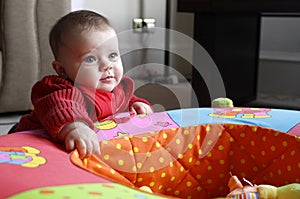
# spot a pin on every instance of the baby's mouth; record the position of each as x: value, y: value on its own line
x: 106, y: 78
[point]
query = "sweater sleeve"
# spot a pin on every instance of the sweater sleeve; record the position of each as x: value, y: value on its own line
x: 128, y: 86
x: 57, y: 102
x: 137, y: 99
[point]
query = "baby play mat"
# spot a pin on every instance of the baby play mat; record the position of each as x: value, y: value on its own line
x: 188, y: 153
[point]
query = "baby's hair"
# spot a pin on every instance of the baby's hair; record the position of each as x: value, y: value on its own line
x: 81, y: 20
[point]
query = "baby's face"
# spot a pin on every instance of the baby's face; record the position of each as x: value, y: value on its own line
x: 92, y: 59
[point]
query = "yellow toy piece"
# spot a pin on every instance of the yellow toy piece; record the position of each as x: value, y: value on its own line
x: 267, y: 192
x: 290, y: 191
x: 222, y: 103
x: 146, y: 189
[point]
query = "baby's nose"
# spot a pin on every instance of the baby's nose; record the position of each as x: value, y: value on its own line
x: 105, y: 66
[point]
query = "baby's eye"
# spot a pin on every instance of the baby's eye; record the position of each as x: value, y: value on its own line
x: 90, y: 59
x: 113, y: 56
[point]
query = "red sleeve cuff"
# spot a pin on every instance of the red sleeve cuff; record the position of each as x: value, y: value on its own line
x: 137, y: 99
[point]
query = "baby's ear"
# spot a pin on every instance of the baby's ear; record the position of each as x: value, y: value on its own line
x: 58, y: 67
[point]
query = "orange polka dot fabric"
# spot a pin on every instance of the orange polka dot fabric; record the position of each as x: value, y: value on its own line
x: 196, y: 161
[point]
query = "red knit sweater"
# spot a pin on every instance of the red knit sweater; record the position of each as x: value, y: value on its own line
x: 57, y: 102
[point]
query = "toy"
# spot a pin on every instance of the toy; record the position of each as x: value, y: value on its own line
x: 237, y: 190
x: 146, y: 189
x: 222, y: 102
x: 290, y: 191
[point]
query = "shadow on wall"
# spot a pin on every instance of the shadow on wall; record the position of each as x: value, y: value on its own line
x: 159, y: 96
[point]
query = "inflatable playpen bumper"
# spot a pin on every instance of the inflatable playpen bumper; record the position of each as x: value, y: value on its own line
x: 180, y: 153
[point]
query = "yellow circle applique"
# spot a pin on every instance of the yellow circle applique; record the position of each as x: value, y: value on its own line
x: 106, y: 125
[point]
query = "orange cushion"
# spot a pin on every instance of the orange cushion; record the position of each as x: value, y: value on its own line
x: 195, y: 162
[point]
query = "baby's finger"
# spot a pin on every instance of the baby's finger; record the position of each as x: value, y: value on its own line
x: 89, y: 148
x: 142, y: 110
x: 132, y: 110
x: 81, y: 147
x: 139, y: 109
x: 149, y: 109
x: 97, y: 151
x: 70, y: 144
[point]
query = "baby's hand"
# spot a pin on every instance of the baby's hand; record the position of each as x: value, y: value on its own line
x: 140, y: 108
x: 78, y: 135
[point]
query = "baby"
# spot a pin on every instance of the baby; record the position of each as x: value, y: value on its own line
x: 89, y: 86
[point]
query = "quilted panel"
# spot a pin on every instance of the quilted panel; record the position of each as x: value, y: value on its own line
x: 195, y: 162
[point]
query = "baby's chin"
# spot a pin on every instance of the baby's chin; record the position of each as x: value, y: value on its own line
x: 97, y: 86
x: 107, y: 88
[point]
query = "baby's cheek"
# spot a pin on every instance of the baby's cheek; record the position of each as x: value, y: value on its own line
x: 89, y: 78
